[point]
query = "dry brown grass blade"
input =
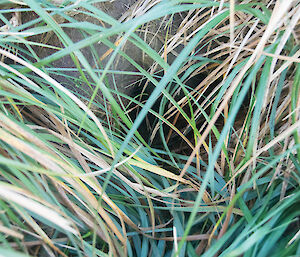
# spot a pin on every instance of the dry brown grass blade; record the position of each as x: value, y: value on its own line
x: 284, y: 66
x: 12, y: 194
x: 279, y: 166
x: 39, y: 242
x: 277, y: 139
x: 280, y: 10
x: 290, y: 59
x: 29, y: 150
x: 286, y: 177
x: 42, y: 234
x: 89, y: 197
x: 165, y: 173
x: 17, y: 130
x: 228, y: 216
x: 14, y: 71
x: 84, y: 216
x: 162, y: 172
x: 103, y: 231
x: 10, y: 232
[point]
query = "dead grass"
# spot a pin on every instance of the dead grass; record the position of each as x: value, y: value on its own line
x: 222, y: 107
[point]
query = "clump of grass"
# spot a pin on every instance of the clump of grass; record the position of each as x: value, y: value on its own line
x: 79, y: 177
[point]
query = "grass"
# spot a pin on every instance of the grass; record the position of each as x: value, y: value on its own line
x: 198, y: 156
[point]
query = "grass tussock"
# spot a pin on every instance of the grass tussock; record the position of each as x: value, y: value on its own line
x: 169, y: 130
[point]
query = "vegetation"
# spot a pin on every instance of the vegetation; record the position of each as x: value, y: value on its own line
x: 204, y: 160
